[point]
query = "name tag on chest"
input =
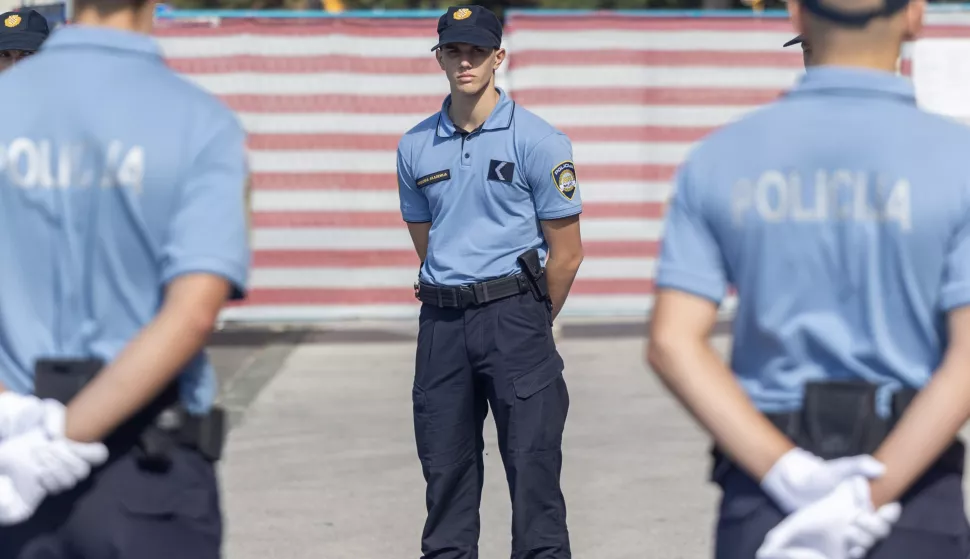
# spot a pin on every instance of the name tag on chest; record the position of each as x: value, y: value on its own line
x: 434, y: 177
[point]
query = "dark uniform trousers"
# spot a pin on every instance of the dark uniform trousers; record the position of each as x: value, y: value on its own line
x: 125, y: 511
x: 933, y: 523
x: 500, y: 355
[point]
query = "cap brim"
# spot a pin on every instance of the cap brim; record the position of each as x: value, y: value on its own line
x: 795, y: 41
x: 468, y: 35
x: 21, y: 41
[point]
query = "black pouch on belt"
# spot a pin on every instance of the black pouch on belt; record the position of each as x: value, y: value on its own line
x: 838, y: 419
x: 62, y: 379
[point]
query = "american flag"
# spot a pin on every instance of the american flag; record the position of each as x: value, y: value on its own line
x: 325, y: 101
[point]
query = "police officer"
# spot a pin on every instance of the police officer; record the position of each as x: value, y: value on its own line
x: 489, y: 191
x: 849, y: 249
x: 123, y: 233
x: 21, y: 34
x: 806, y: 49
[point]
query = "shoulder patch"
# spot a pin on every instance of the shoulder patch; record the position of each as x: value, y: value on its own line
x: 501, y: 171
x: 564, y: 175
x: 434, y: 177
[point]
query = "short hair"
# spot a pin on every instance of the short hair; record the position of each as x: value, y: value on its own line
x: 106, y: 7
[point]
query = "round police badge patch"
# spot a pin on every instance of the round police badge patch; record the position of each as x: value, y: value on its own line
x: 564, y: 175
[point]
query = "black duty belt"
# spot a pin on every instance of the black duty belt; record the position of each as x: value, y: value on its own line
x: 838, y: 419
x: 464, y: 296
x: 154, y: 430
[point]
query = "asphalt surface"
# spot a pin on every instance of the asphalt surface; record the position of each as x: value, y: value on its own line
x: 321, y: 460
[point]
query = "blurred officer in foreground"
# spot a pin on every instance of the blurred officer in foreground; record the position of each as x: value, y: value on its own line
x: 806, y: 49
x: 850, y: 253
x: 489, y: 192
x: 123, y: 233
x: 21, y: 34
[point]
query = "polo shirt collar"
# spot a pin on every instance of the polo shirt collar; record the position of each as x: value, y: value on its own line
x: 861, y: 81
x: 499, y: 119
x: 75, y: 35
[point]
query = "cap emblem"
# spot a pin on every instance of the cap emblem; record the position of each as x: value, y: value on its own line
x: 12, y: 21
x: 462, y: 13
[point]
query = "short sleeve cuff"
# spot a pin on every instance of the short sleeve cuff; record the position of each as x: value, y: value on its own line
x: 233, y: 272
x: 955, y: 296
x: 417, y: 219
x: 690, y: 282
x: 568, y: 212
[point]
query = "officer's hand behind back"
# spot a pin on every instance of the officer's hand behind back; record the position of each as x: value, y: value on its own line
x: 20, y: 413
x: 800, y: 478
x: 842, y: 525
x: 42, y: 462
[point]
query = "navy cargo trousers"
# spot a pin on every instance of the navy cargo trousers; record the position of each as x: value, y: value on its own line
x: 933, y: 522
x: 124, y: 511
x: 500, y: 355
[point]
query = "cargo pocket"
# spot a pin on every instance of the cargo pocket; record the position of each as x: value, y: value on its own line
x: 540, y: 407
x: 422, y: 428
x: 180, y: 505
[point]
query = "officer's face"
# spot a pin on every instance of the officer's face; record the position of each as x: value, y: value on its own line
x: 469, y: 68
x: 9, y: 57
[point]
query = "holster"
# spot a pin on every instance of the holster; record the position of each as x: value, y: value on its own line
x: 536, y: 274
x: 154, y: 431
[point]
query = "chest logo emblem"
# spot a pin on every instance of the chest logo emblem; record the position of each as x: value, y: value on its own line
x: 434, y: 177
x: 501, y: 171
x: 564, y: 175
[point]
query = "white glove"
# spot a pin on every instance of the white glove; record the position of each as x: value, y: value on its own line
x: 841, y: 525
x: 13, y: 509
x: 19, y: 413
x: 800, y: 478
x: 41, y: 463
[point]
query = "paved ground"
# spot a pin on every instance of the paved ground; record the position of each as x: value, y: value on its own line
x: 321, y: 462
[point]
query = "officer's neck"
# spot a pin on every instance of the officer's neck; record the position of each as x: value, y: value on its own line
x: 138, y: 21
x: 468, y: 112
x: 867, y: 59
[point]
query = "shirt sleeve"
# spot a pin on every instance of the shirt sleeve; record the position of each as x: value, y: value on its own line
x: 690, y: 258
x: 414, y: 204
x: 209, y: 232
x: 552, y: 176
x: 956, y: 276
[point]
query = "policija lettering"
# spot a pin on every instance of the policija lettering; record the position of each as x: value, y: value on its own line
x: 833, y: 196
x: 30, y: 164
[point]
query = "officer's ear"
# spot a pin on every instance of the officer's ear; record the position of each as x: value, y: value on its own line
x: 437, y: 56
x: 914, y: 19
x: 499, y: 58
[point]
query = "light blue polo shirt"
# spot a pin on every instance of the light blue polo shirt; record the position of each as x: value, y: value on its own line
x: 485, y: 192
x: 841, y: 214
x: 116, y: 177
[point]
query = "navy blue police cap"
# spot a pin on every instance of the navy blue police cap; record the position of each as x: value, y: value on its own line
x: 24, y: 30
x: 852, y: 18
x: 473, y: 25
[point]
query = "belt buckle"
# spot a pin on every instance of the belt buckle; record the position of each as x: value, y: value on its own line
x: 462, y: 289
x: 417, y: 290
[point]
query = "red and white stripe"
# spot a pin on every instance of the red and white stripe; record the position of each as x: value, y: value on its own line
x: 325, y: 102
